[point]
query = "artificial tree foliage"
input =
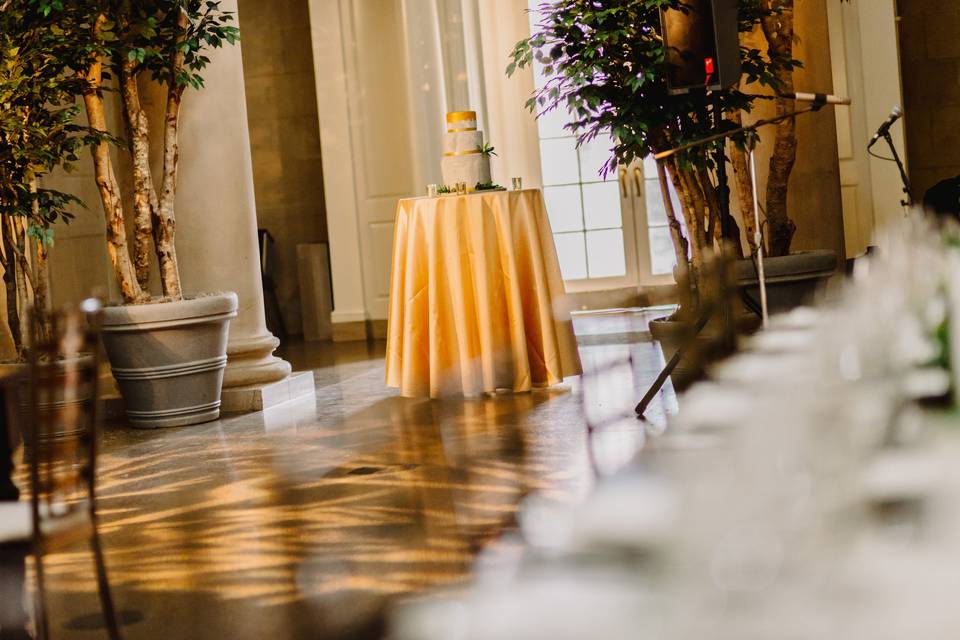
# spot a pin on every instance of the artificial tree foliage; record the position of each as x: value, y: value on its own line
x: 606, y: 64
x: 118, y: 46
x: 38, y: 134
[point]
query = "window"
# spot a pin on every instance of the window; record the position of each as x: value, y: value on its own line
x: 584, y: 209
x: 663, y: 258
x: 609, y: 232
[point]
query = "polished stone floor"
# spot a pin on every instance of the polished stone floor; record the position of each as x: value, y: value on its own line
x: 307, y: 520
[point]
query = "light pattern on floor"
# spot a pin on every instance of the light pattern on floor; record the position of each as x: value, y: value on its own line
x: 293, y: 514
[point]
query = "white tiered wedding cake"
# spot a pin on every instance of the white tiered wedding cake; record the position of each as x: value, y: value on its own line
x: 463, y: 156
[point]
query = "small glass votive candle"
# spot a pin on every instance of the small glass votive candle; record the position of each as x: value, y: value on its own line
x: 516, y: 183
x: 431, y: 191
x: 461, y: 188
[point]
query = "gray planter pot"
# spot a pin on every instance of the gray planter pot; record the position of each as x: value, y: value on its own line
x: 705, y: 348
x: 791, y: 280
x: 672, y: 335
x: 168, y: 358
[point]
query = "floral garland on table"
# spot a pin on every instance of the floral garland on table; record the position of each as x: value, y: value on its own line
x: 446, y: 190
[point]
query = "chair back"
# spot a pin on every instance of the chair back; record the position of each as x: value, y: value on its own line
x: 63, y: 372
x: 267, y: 253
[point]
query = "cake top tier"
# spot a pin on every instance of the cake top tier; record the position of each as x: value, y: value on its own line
x: 461, y: 121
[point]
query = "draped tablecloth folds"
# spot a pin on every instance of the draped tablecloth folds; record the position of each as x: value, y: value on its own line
x: 477, y: 302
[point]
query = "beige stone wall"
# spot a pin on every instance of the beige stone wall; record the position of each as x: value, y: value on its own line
x: 930, y: 60
x: 814, y: 200
x: 284, y: 135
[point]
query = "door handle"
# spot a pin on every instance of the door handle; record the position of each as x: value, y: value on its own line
x: 623, y: 184
x: 638, y: 178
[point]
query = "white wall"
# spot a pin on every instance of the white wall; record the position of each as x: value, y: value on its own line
x: 867, y: 68
x: 855, y: 181
x: 329, y: 51
x: 387, y: 71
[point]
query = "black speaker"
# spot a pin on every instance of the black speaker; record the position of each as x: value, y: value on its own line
x: 703, y: 45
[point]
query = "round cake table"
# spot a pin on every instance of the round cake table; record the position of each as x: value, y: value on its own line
x: 477, y: 302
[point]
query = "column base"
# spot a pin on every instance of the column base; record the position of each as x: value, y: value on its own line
x: 297, y: 386
x: 250, y: 361
x: 254, y: 380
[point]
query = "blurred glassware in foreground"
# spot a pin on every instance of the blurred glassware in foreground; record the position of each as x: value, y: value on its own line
x: 809, y: 494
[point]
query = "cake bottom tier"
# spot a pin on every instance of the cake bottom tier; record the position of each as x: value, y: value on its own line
x: 472, y: 169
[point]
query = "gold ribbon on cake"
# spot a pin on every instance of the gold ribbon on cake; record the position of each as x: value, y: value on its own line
x: 453, y: 117
x: 457, y: 116
x: 462, y: 153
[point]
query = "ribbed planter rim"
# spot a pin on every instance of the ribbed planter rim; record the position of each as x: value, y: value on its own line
x: 156, y: 315
x: 796, y: 266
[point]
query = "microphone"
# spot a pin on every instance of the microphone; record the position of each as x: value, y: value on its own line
x: 885, y: 127
x: 822, y: 98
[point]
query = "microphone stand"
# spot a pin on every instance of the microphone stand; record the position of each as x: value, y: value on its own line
x: 907, y: 189
x: 663, y: 155
x: 723, y: 193
x: 757, y: 234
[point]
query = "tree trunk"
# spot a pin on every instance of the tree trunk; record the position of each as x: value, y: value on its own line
x: 40, y: 282
x: 24, y: 273
x: 744, y: 185
x: 713, y: 235
x: 164, y: 224
x: 687, y: 208
x: 680, y: 245
x: 10, y: 285
x: 716, y: 226
x: 41, y: 290
x: 145, y: 200
x: 778, y: 30
x: 109, y: 189
x: 741, y: 172
x: 699, y: 207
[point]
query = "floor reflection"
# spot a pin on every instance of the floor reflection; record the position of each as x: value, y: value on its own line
x: 306, y: 520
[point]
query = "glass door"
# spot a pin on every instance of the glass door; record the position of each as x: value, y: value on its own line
x: 658, y: 256
x: 610, y: 231
x: 588, y: 214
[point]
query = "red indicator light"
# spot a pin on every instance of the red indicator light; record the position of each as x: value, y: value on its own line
x: 708, y: 66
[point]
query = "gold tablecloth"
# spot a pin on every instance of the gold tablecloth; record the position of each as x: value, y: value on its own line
x: 477, y: 302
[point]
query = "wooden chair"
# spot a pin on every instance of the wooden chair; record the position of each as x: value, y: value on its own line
x: 62, y: 451
x: 274, y: 316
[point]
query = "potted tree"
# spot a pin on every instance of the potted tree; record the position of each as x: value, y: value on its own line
x: 167, y: 351
x: 38, y: 134
x: 607, y: 65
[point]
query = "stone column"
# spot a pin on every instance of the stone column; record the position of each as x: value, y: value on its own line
x: 216, y: 214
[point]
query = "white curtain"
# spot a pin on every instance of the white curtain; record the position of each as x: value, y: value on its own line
x: 426, y: 85
x: 510, y: 127
x: 456, y: 54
